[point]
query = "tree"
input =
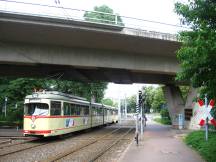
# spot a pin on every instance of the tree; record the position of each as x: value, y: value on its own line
x: 103, y: 14
x: 158, y: 100
x: 110, y: 102
x: 149, y: 93
x: 131, y: 104
x: 184, y: 91
x: 15, y: 89
x: 198, y: 52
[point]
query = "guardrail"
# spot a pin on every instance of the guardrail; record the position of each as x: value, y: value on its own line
x: 60, y: 12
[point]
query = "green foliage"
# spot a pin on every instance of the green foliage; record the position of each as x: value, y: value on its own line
x: 110, y: 102
x: 206, y: 149
x: 16, y: 90
x: 162, y: 121
x: 131, y: 104
x: 197, y: 54
x: 184, y: 91
x: 87, y: 90
x: 103, y: 14
x: 165, y: 118
x: 149, y: 96
x: 158, y: 100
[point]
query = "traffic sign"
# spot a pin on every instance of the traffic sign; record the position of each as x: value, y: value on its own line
x: 203, y: 112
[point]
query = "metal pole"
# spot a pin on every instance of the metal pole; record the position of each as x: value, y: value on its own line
x: 206, y: 124
x: 125, y: 107
x: 137, y: 118
x: 141, y: 121
x: 116, y: 19
x: 119, y: 110
x: 5, y: 106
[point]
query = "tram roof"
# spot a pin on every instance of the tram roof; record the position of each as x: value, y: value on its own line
x: 110, y: 107
x: 56, y: 95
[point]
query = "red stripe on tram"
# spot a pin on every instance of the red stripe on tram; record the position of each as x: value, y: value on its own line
x: 37, y: 131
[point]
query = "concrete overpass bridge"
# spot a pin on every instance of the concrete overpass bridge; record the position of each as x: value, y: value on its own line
x: 85, y: 51
x: 34, y: 46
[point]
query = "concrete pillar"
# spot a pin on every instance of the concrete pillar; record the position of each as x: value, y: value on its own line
x: 175, y: 103
x: 192, y: 94
x: 191, y: 122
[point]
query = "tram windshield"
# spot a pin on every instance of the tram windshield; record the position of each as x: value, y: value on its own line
x: 36, y: 109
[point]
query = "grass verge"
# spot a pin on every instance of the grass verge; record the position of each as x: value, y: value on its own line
x: 207, y: 149
x: 162, y: 121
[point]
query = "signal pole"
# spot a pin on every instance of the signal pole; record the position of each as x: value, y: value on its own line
x: 206, y: 122
x: 137, y: 119
x: 119, y: 111
x: 125, y: 107
x: 5, y: 106
x: 140, y: 106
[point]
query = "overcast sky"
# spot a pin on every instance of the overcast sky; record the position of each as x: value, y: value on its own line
x: 154, y: 10
x: 158, y: 10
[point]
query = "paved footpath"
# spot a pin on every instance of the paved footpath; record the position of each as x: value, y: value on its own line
x: 160, y: 144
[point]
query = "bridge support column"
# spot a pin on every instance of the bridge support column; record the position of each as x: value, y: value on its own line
x: 190, y: 121
x: 177, y: 106
x: 175, y: 103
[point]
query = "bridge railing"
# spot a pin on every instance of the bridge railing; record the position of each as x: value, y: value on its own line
x: 60, y: 12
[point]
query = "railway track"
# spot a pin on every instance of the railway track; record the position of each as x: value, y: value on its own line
x: 12, y: 145
x: 12, y: 141
x: 86, y: 144
x: 97, y: 156
x: 20, y: 146
x: 71, y: 146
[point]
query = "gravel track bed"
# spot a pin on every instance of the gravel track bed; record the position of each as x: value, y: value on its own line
x: 42, y: 152
x: 114, y: 154
x: 12, y: 142
x: 90, y: 151
x: 5, y: 141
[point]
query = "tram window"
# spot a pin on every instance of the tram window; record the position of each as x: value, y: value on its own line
x: 36, y: 109
x: 55, y: 108
x: 99, y: 111
x: 77, y: 110
x: 86, y: 110
x: 67, y: 109
x: 73, y: 109
x: 94, y: 111
x: 82, y: 109
x: 105, y: 112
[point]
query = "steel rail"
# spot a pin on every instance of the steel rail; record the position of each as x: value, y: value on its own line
x: 70, y: 151
x: 22, y: 149
x: 18, y: 143
x: 109, y: 147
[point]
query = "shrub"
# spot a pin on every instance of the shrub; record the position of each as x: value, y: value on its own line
x: 165, y: 118
x: 206, y: 149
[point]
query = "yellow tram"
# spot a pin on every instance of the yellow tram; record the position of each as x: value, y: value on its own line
x: 51, y: 113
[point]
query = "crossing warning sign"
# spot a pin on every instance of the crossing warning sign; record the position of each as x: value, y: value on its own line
x: 203, y: 112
